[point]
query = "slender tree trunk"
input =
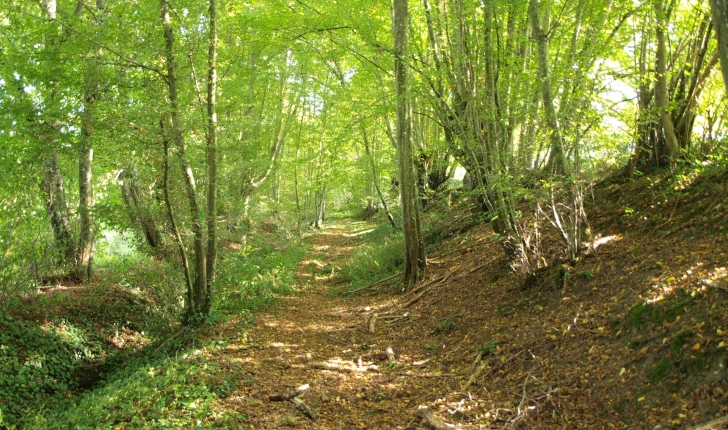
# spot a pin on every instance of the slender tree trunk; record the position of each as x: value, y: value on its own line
x: 51, y: 178
x: 211, y: 155
x: 86, y: 237
x: 414, y: 249
x: 56, y: 207
x: 662, y: 97
x: 720, y: 22
x: 84, y: 250
x: 132, y: 196
x: 200, y: 304
x: 557, y: 159
x: 375, y: 179
x: 173, y: 223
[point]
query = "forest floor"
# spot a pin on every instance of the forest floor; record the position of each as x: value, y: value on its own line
x: 631, y: 336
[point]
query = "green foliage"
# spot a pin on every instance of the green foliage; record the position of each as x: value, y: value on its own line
x: 379, y: 256
x: 180, y: 392
x: 660, y: 370
x: 490, y: 347
x: 249, y: 278
x: 445, y: 325
x: 643, y: 313
x: 37, y: 365
x: 679, y: 341
x: 432, y: 345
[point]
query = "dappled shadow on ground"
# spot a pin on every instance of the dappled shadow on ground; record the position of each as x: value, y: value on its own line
x: 631, y: 336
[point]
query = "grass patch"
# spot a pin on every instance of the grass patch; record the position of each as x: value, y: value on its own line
x: 643, y: 313
x: 658, y: 372
x: 380, y: 255
x: 249, y: 278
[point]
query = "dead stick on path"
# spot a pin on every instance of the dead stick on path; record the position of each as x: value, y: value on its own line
x: 306, y: 409
x: 381, y: 281
x: 437, y: 423
x: 288, y: 396
x: 293, y: 397
x: 712, y: 425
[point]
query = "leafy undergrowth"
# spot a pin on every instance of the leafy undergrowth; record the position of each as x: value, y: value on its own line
x: 633, y: 335
x: 105, y: 356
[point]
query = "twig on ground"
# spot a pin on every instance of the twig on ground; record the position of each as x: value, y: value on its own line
x: 716, y: 424
x: 290, y: 395
x: 379, y: 282
x: 437, y: 423
x: 170, y: 339
x: 306, y: 409
x: 474, y: 376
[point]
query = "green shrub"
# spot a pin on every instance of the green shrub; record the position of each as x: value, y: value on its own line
x: 248, y: 279
x: 379, y: 256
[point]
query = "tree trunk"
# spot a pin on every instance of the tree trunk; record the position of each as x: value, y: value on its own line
x: 199, y: 305
x: 132, y: 196
x: 720, y: 22
x: 375, y: 179
x: 84, y: 250
x: 51, y: 178
x: 86, y: 237
x: 557, y: 158
x: 211, y: 155
x: 414, y: 249
x: 662, y: 98
x: 56, y: 207
x: 173, y: 222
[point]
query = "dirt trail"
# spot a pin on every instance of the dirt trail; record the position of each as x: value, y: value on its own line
x: 323, y: 341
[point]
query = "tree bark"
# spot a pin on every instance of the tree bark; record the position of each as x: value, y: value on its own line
x: 86, y: 237
x: 132, y: 196
x: 662, y: 97
x: 56, y: 207
x: 173, y: 221
x: 414, y: 249
x: 51, y: 178
x: 211, y: 155
x: 375, y: 179
x: 557, y: 158
x: 199, y: 305
x: 719, y: 9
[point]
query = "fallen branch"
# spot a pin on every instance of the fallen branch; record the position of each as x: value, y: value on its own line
x: 416, y: 298
x: 422, y: 375
x: 170, y: 339
x: 474, y: 376
x: 437, y: 423
x: 381, y: 281
x: 428, y: 283
x: 327, y: 366
x: 372, y: 324
x: 716, y: 424
x: 711, y: 284
x: 288, y: 396
x: 306, y: 409
x: 482, y: 242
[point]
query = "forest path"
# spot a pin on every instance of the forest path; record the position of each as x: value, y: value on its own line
x: 321, y: 339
